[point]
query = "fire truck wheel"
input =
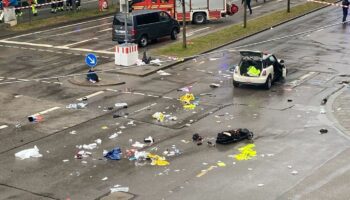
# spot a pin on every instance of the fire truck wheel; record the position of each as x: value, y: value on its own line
x: 199, y: 18
x: 173, y: 35
x: 143, y: 41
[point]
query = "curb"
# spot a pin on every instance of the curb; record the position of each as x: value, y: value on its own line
x: 94, y: 85
x: 15, y: 33
x: 236, y: 40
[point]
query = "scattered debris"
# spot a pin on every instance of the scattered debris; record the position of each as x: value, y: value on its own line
x: 98, y: 141
x: 138, y: 144
x: 323, y: 131
x: 114, y: 135
x: 159, y: 116
x: 66, y: 160
x: 323, y: 111
x: 289, y: 100
x: 115, y: 154
x: 185, y: 141
x: 294, y: 172
x: 35, y: 118
x: 73, y: 132
x: 156, y: 62
x: 82, y: 154
x: 211, y: 144
x: 289, y: 166
x: 197, y: 138
x: 221, y: 164
x: 324, y: 101
x: 28, y: 153
x: 104, y: 179
x: 246, y: 152
x: 214, y: 85
x: 87, y: 146
x: 121, y: 105
x: 76, y: 105
x: 117, y: 188
x: 212, y: 59
x: 185, y: 89
x: 104, y: 127
x: 149, y: 140
x: 236, y: 135
x: 163, y: 73
x: 3, y: 126
x: 158, y: 160
x: 260, y: 184
x: 84, y: 99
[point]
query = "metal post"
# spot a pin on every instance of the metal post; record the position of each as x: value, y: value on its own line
x: 125, y: 22
x: 184, y: 43
x: 245, y: 14
x: 288, y: 5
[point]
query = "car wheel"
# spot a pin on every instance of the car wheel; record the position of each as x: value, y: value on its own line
x: 268, y: 83
x: 173, y: 34
x: 199, y: 18
x: 235, y: 84
x: 143, y: 41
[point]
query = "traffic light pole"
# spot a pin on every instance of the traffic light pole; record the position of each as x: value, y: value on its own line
x: 288, y: 5
x: 184, y: 45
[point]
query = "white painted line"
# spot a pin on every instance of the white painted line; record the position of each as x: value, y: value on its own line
x: 299, y: 80
x: 107, y: 29
x: 92, y: 51
x: 45, y: 82
x: 11, y: 78
x: 91, y: 95
x: 137, y: 93
x: 145, y: 108
x: 23, y: 80
x: 61, y: 27
x: 198, y: 30
x: 112, y: 90
x: 167, y: 97
x: 306, y: 75
x: 26, y: 43
x: 256, y: 7
x: 126, y: 92
x: 3, y: 126
x: 58, y: 83
x: 150, y: 95
x: 80, y: 42
x: 47, y: 111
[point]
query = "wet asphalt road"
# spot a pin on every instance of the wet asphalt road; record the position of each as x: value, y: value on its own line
x: 286, y: 133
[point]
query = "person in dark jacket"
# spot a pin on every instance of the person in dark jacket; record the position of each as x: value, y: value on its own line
x: 248, y: 4
x: 345, y: 4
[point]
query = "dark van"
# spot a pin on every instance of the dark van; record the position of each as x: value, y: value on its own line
x: 144, y: 26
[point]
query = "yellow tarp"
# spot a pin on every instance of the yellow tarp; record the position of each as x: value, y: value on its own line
x: 253, y: 71
x: 158, y: 160
x: 247, y: 152
x: 187, y: 98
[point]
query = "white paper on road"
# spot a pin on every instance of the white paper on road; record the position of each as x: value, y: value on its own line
x: 3, y: 126
x: 163, y: 73
x: 28, y: 153
x: 119, y: 189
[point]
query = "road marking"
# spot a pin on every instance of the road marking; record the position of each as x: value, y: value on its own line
x: 145, y: 108
x: 137, y: 93
x: 192, y: 32
x: 83, y: 41
x: 91, y: 95
x: 91, y: 51
x: 150, y: 95
x: 256, y: 7
x: 3, y: 126
x: 26, y: 43
x: 61, y: 27
x: 107, y: 29
x: 112, y: 90
x: 47, y: 111
x: 300, y: 80
x: 165, y: 97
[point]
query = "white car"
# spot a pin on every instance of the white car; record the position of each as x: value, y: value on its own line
x: 257, y: 68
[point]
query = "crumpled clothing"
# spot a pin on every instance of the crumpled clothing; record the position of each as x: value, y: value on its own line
x: 247, y: 152
x: 190, y: 106
x: 159, y: 116
x: 115, y: 154
x: 27, y: 153
x: 253, y: 71
x: 158, y: 160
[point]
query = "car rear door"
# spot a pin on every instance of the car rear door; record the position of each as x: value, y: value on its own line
x: 165, y: 24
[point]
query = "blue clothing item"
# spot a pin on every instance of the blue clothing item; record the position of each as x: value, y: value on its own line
x: 13, y: 2
x: 114, y: 154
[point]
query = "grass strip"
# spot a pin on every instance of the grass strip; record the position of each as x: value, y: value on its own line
x: 72, y: 16
x: 204, y: 43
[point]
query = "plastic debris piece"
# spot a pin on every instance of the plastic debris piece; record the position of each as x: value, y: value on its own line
x: 187, y: 98
x: 289, y: 166
x: 66, y: 160
x: 214, y: 85
x: 98, y: 141
x: 140, y: 62
x: 76, y: 105
x: 104, y: 179
x: 156, y: 62
x: 28, y: 153
x: 159, y: 116
x: 260, y: 184
x: 149, y: 140
x: 138, y: 144
x: 221, y: 164
x: 121, y: 105
x: 158, y: 160
x: 189, y: 106
x: 185, y: 141
x: 3, y: 126
x: 119, y: 189
x: 115, y: 154
x: 114, y: 135
x: 104, y: 127
x: 89, y: 146
x: 35, y: 118
x: 163, y: 73
x: 323, y: 131
x: 246, y: 152
x: 294, y: 172
x: 73, y: 132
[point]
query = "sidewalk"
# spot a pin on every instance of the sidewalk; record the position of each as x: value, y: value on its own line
x: 341, y: 107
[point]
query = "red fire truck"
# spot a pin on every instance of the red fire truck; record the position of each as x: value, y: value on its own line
x: 197, y: 11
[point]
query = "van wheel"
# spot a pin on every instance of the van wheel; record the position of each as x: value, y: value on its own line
x: 268, y: 83
x: 199, y: 18
x: 173, y: 34
x: 143, y: 41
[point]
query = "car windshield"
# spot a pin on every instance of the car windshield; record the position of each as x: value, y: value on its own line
x: 120, y: 21
x: 248, y: 63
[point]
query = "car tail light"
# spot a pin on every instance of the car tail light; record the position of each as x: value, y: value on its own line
x: 264, y: 72
x: 236, y: 70
x: 133, y: 32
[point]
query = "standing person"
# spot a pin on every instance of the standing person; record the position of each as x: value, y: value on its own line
x: 60, y: 5
x: 33, y: 4
x: 53, y: 6
x: 77, y: 4
x: 248, y: 4
x: 345, y: 4
x: 69, y: 4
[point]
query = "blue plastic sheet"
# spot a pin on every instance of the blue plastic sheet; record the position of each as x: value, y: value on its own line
x: 115, y: 154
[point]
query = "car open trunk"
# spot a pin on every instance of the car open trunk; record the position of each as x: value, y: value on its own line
x: 250, y: 67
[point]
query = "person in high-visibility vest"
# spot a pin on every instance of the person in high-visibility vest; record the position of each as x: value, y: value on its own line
x: 33, y: 4
x: 53, y: 6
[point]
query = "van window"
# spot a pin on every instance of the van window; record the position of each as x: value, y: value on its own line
x: 164, y: 16
x: 120, y: 21
x: 147, y: 18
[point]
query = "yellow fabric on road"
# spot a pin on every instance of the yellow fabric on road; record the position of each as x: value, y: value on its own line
x: 247, y: 152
